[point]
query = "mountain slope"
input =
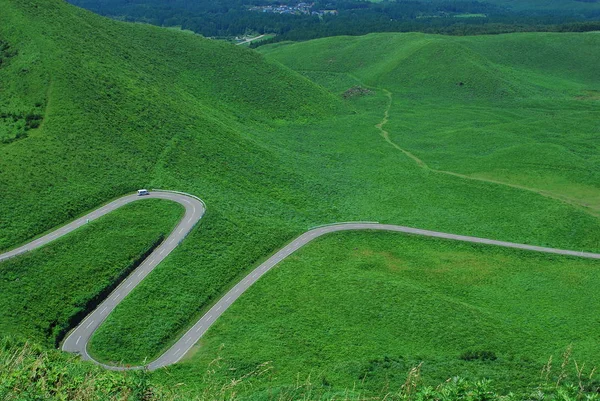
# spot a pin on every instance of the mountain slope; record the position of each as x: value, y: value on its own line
x: 110, y: 98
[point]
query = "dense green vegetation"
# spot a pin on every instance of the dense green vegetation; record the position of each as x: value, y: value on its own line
x: 520, y: 109
x: 28, y: 371
x: 545, y: 5
x: 116, y: 110
x: 372, y: 181
x: 272, y: 152
x: 358, y: 310
x: 18, y: 116
x: 47, y: 291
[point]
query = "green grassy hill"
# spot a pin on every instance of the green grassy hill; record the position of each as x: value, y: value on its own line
x: 521, y: 109
x: 47, y: 291
x: 92, y: 109
x: 110, y: 108
x: 359, y: 310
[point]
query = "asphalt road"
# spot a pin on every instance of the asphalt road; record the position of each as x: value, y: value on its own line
x: 78, y: 339
x: 251, y: 40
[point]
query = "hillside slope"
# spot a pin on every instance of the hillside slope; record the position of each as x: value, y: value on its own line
x: 359, y: 309
x: 520, y: 109
x: 104, y: 107
x: 87, y: 116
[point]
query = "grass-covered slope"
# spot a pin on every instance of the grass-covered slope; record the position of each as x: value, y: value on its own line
x: 520, y: 109
x: 127, y: 106
x: 365, y: 180
x: 358, y: 310
x: 107, y: 99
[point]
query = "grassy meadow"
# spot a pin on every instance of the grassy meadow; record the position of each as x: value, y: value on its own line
x: 520, y: 109
x: 358, y: 310
x: 366, y: 187
x: 273, y: 151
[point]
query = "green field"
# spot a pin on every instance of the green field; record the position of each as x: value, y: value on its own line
x: 358, y: 310
x: 91, y: 109
x: 367, y: 188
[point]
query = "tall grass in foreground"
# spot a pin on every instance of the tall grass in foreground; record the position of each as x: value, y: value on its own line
x: 30, y: 372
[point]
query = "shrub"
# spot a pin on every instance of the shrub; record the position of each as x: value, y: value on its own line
x: 478, y: 355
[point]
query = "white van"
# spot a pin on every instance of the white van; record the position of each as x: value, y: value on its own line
x: 142, y: 192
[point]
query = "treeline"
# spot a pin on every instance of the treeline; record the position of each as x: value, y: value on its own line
x: 436, y: 27
x: 229, y: 18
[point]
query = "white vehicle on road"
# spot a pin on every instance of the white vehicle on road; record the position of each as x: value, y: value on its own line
x: 142, y: 192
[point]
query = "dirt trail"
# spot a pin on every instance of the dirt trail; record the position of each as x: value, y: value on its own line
x: 386, y: 136
x: 47, y: 107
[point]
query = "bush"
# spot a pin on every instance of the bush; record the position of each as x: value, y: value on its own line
x: 478, y: 355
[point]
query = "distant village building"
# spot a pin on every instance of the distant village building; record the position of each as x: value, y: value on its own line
x: 299, y: 9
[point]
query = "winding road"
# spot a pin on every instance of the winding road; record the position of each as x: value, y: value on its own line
x: 77, y: 340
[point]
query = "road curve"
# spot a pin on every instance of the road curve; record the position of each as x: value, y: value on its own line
x: 78, y: 339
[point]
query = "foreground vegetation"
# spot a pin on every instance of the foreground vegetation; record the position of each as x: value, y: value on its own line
x: 358, y: 310
x: 28, y: 371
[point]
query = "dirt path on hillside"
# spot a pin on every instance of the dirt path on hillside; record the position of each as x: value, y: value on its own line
x: 386, y: 136
x: 47, y: 106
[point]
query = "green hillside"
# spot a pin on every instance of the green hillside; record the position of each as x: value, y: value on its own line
x: 110, y: 108
x: 46, y: 291
x: 91, y: 109
x: 28, y: 371
x: 359, y: 310
x: 520, y: 109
